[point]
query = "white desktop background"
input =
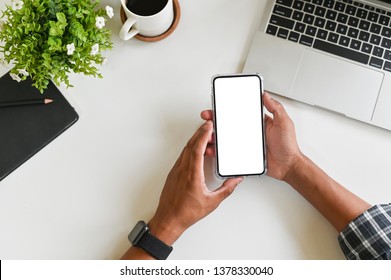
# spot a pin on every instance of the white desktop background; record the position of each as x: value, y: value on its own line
x: 80, y: 196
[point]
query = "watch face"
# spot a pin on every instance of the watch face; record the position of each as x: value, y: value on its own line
x: 137, y: 232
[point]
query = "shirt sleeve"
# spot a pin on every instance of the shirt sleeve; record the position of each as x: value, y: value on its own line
x: 368, y: 237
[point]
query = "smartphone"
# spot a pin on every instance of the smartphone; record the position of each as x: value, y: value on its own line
x: 238, y: 125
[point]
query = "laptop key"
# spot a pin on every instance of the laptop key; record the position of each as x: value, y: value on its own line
x: 353, y: 21
x: 384, y: 20
x: 331, y: 14
x: 355, y: 44
x: 309, y: 8
x: 322, y: 34
x: 339, y: 6
x: 328, y: 4
x: 333, y: 37
x: 282, y: 11
x: 283, y: 33
x: 308, y: 19
x: 319, y: 22
x: 298, y: 5
x: 344, y: 41
x: 271, y: 29
x: 351, y: 10
x: 283, y: 22
x: 311, y: 31
x: 377, y: 51
x: 364, y: 36
x: 306, y: 40
x: 331, y: 25
x: 367, y: 48
x: 300, y: 27
x: 361, y: 13
x: 320, y: 11
x: 376, y: 62
x: 375, y: 39
x: 372, y: 16
x: 342, y: 18
x: 341, y: 51
x: 342, y: 29
x: 369, y: 7
x: 375, y: 28
x: 380, y: 11
x: 364, y: 24
x: 386, y: 32
x: 317, y: 2
x: 287, y: 3
x: 297, y: 15
x: 353, y: 32
x: 386, y: 43
x: 387, y: 55
x: 294, y: 36
x: 387, y: 66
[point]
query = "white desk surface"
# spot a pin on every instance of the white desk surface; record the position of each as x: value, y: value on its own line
x: 80, y: 196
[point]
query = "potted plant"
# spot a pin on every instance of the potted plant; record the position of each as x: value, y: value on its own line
x: 48, y: 39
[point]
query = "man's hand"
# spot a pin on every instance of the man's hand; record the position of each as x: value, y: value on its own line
x: 185, y: 198
x: 281, y: 144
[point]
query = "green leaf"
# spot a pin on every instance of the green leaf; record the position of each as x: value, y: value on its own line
x: 35, y: 38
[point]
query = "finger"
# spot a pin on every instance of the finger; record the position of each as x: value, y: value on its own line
x: 199, y: 149
x: 227, y: 188
x: 274, y: 107
x: 185, y: 156
x: 210, y: 151
x: 207, y: 115
x: 269, y: 102
x: 268, y: 120
x: 192, y: 141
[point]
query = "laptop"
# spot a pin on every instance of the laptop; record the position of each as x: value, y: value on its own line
x: 334, y: 54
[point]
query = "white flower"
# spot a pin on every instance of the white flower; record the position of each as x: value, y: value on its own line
x: 95, y: 49
x: 100, y: 22
x: 23, y: 72
x: 109, y: 11
x: 17, y: 4
x: 15, y: 77
x: 71, y: 49
x: 3, y: 62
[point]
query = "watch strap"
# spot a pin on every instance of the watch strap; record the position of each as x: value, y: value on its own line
x: 154, y: 246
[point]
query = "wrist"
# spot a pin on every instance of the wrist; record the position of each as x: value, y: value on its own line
x: 166, y: 231
x: 296, y: 169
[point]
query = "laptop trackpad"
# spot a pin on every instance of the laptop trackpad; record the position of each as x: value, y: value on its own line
x: 337, y: 85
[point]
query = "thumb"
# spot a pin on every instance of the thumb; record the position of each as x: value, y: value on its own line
x: 227, y: 188
x: 275, y: 107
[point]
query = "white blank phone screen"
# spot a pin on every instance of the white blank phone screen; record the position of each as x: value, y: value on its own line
x: 239, y: 125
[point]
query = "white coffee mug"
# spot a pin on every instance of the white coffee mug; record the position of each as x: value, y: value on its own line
x: 148, y: 26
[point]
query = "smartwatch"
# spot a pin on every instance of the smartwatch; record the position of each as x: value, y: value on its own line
x: 140, y: 236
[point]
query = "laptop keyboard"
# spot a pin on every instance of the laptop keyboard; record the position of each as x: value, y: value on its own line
x: 345, y: 28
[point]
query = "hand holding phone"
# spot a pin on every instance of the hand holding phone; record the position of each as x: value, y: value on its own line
x: 239, y: 125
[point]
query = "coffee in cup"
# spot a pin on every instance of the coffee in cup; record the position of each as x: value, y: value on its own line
x: 149, y: 18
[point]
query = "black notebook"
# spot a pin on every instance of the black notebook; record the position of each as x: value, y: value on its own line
x: 24, y: 130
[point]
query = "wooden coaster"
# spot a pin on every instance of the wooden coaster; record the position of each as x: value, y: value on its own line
x: 177, y: 16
